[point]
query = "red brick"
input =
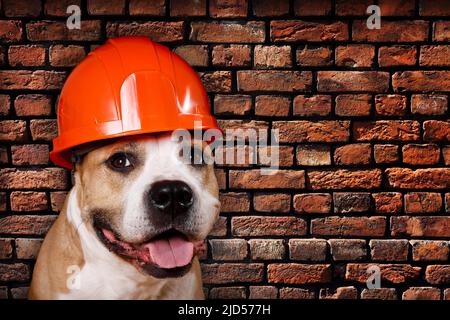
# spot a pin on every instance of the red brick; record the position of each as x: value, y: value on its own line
x: 263, y: 292
x: 275, y: 202
x: 10, y: 30
x: 13, y: 130
x: 267, y: 57
x: 339, y: 293
x: 312, y: 250
x: 272, y: 106
x: 388, y: 202
x: 228, y: 249
x: 21, y: 8
x: 311, y: 55
x: 31, y: 154
x: 28, y: 248
x: 232, y: 104
x: 3, y: 200
x: 26, y: 55
x: 429, y: 250
x: 267, y: 249
x: 435, y: 55
x: 28, y: 201
x: 243, y: 124
x: 26, y: 225
x: 298, y: 30
x: 312, y: 131
x: 6, y: 248
x: 14, y: 272
x: 285, y: 155
x: 397, y: 55
x: 274, y: 80
x: 31, y: 80
x: 348, y: 202
x: 354, y: 56
x: 423, y: 202
x: 391, y: 31
x: 312, y: 8
x: 33, y: 105
x: 20, y: 293
x: 57, y: 200
x: 434, y: 8
x: 297, y: 293
x: 5, y: 104
x: 251, y: 31
x: 404, y: 81
x: 392, y: 273
x: 312, y: 203
x: 228, y: 8
x: 106, y: 7
x: 66, y: 56
x: 253, y: 179
x: 379, y: 294
x: 219, y: 228
x: 232, y: 272
x: 397, y: 7
x: 447, y: 294
x: 317, y: 105
x: 43, y: 129
x: 269, y: 8
x: 441, y: 31
x: 151, y: 8
x: 231, y: 55
x: 195, y: 8
x: 427, y: 104
x: 446, y: 155
x: 159, y: 31
x: 4, y: 155
x: 425, y: 226
x: 48, y: 178
x: 405, y: 178
x: 46, y: 30
x: 296, y: 273
x: 387, y: 130
x: 386, y: 153
x: 435, y: 130
x: 344, y: 179
x: 216, y: 81
x: 363, y: 81
x: 421, y: 293
x: 351, y: 8
x: 390, y: 105
x: 349, y: 226
x: 350, y: 154
x: 313, y: 155
x: 421, y: 154
x: 227, y: 293
x: 58, y: 8
x: 389, y: 250
x: 348, y: 249
x: 252, y: 226
x: 353, y: 105
x: 195, y: 55
x: 234, y: 202
x: 438, y: 274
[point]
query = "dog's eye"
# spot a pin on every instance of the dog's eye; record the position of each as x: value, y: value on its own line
x: 120, y: 162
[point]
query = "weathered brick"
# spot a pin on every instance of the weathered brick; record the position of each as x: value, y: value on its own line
x: 6, y: 248
x: 339, y: 293
x: 285, y: 155
x: 348, y: 249
x: 446, y: 155
x: 352, y: 8
x: 421, y: 154
x: 219, y: 227
x: 20, y: 293
x: 344, y: 179
x: 48, y: 178
x: 179, y: 8
x: 362, y: 81
x: 263, y: 292
x: 391, y: 31
x: 297, y: 293
x: 423, y: 202
x: 31, y: 80
x: 29, y: 154
x: 438, y: 274
x: 397, y: 55
x: 441, y: 31
x: 427, y: 104
x: 159, y: 31
x: 234, y: 55
x: 232, y: 104
x: 11, y: 30
x: 388, y: 202
x: 435, y: 55
x: 5, y: 104
x: 349, y: 226
x: 253, y: 179
x: 275, y: 202
x: 43, y: 129
x: 386, y: 153
x: 228, y: 249
x: 268, y: 57
x: 353, y: 105
x: 317, y: 105
x: 14, y: 272
x: 269, y: 8
x: 21, y: 8
x: 429, y: 250
x: 267, y: 226
x: 424, y: 226
x: 434, y: 130
x: 313, y: 131
x: 152, y: 8
x: 58, y: 8
x: 272, y: 106
x: 227, y: 293
x: 234, y: 202
x: 46, y: 30
x: 26, y: 55
x: 28, y: 201
x: 313, y: 155
x: 347, y: 202
x: 313, y: 250
x: 405, y: 178
x: 274, y: 80
x: 311, y: 55
x: 267, y: 249
x: 392, y: 273
x: 3, y: 200
x: 434, y: 8
x: 351, y: 154
x: 26, y: 225
x: 296, y: 273
x: 390, y: 105
x: 424, y: 80
x: 66, y: 56
x: 354, y: 56
x: 312, y: 203
x: 33, y: 105
x: 13, y: 130
x: 387, y: 130
x: 28, y: 248
x: 389, y: 250
x: 228, y: 8
x: 224, y: 32
x: 312, y: 8
x: 379, y: 294
x: 57, y: 199
x: 106, y: 7
x: 232, y: 272
x: 298, y: 30
x: 421, y: 293
x: 397, y: 7
x: 216, y: 81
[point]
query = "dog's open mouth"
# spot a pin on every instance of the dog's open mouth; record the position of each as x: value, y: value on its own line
x: 169, y: 254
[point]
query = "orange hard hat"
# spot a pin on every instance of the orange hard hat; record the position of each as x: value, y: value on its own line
x: 128, y: 86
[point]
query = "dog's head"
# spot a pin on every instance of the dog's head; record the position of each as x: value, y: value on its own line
x: 145, y: 203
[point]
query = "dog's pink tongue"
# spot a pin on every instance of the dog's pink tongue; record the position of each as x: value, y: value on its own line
x: 171, y: 252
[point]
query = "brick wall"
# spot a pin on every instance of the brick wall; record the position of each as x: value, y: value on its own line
x: 364, y: 134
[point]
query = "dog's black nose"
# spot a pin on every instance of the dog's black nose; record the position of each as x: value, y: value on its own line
x: 171, y: 196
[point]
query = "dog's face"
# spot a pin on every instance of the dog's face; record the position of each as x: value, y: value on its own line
x: 146, y: 204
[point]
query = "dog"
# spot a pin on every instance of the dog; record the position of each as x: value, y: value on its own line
x: 130, y: 224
